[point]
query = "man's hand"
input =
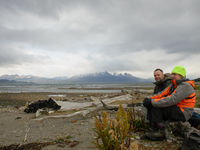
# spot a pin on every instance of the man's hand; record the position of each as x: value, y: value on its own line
x: 147, y: 103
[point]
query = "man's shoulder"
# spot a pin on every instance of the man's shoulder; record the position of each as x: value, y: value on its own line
x: 186, y: 86
x: 167, y: 77
x: 167, y: 81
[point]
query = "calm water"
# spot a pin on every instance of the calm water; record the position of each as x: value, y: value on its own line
x: 69, y: 88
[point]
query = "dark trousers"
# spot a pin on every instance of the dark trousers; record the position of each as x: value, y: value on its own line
x: 172, y: 113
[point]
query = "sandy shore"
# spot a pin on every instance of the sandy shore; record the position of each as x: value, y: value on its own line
x: 17, y: 127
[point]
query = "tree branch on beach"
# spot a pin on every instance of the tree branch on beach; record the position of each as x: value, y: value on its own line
x: 88, y: 107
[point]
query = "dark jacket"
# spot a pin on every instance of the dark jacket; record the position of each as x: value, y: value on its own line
x: 161, y: 85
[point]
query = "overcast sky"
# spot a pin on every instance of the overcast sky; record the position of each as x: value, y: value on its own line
x: 71, y: 37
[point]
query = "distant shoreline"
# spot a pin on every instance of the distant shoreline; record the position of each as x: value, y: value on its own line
x: 74, y: 88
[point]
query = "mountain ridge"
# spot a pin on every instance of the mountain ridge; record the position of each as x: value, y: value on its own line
x: 98, y: 77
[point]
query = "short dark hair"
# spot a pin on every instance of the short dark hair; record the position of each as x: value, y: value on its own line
x: 158, y: 69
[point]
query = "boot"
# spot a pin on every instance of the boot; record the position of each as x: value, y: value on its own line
x: 156, y: 131
x: 153, y: 126
x: 156, y: 135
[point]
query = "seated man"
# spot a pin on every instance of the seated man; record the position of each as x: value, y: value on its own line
x: 162, y: 80
x: 175, y: 103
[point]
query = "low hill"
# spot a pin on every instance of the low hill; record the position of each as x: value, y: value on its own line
x: 5, y: 81
x: 101, y: 77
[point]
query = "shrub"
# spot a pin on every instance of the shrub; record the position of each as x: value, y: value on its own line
x: 197, y: 91
x: 136, y: 120
x: 114, y: 134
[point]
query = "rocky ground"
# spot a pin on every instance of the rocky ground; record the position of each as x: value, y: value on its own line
x: 16, y: 127
x: 22, y: 129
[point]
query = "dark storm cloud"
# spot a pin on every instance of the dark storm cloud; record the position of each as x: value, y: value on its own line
x: 108, y: 27
x: 129, y: 25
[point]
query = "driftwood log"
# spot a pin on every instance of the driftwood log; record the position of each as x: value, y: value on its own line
x: 85, y: 108
x: 115, y: 108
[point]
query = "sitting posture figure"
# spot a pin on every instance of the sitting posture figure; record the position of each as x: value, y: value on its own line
x: 175, y: 103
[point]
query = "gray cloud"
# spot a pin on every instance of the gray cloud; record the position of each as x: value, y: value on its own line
x: 127, y: 26
x: 114, y: 29
x: 12, y: 56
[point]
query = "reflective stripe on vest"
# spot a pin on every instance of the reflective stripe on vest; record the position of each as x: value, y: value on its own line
x: 162, y: 94
x: 188, y: 102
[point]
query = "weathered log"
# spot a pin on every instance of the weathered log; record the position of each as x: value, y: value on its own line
x: 115, y: 108
x: 96, y: 105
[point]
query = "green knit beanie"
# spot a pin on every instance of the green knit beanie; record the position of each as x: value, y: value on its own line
x: 179, y: 70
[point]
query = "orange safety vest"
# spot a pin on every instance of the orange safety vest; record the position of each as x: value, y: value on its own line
x: 188, y: 102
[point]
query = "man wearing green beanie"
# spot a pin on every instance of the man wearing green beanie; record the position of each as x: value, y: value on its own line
x: 175, y: 103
